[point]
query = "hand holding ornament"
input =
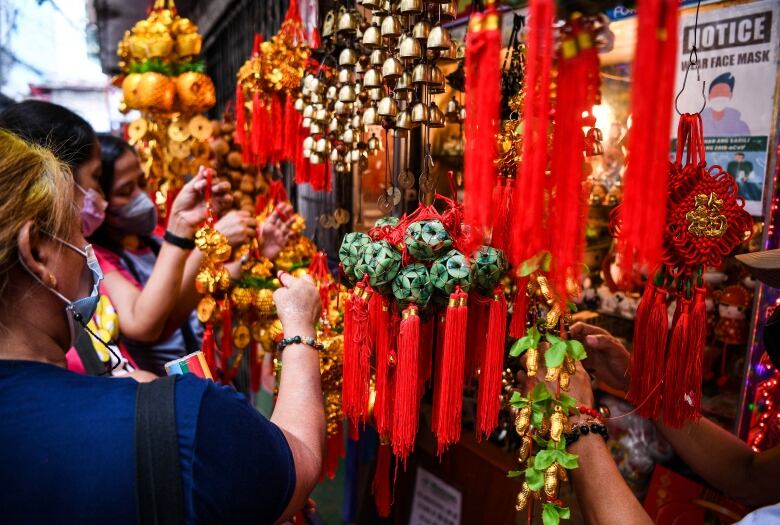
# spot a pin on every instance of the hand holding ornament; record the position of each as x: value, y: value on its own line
x: 189, y: 209
x: 275, y: 231
x: 237, y: 226
x: 298, y: 305
x: 607, y: 358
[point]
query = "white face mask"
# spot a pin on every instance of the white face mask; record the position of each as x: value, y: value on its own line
x: 719, y: 103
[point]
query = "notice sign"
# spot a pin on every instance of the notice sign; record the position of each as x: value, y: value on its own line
x: 737, y: 56
x: 435, y: 502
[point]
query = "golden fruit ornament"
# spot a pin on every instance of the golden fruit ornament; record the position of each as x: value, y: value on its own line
x: 130, y: 93
x: 155, y: 91
x: 264, y: 302
x: 195, y: 91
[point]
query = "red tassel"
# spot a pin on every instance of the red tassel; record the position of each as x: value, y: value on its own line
x: 381, y: 483
x: 169, y: 198
x: 241, y: 119
x: 504, y: 216
x: 407, y: 395
x: 382, y: 415
x: 226, y: 343
x: 276, y: 129
x: 452, y: 367
x: 207, y: 346
x: 692, y: 379
x: 426, y: 350
x: 647, y: 370
x: 647, y: 175
x: 567, y: 162
x: 519, y: 309
x: 258, y: 108
x: 334, y: 451
x: 290, y: 134
x: 483, y: 103
x: 675, y: 395
x: 639, y: 348
x: 526, y: 239
x: 491, y: 371
x: 350, y: 365
x: 361, y: 334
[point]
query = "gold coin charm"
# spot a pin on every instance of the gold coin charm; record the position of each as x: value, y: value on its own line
x: 206, y: 308
x: 241, y: 336
x: 200, y: 127
x: 136, y: 130
x: 177, y: 131
x: 179, y: 150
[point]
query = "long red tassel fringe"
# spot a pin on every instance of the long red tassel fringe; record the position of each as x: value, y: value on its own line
x: 381, y: 483
x: 489, y: 393
x: 407, y: 393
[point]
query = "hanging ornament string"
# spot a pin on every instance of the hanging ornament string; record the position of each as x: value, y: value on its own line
x: 693, y: 63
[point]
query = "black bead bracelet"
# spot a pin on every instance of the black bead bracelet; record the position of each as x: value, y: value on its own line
x: 298, y: 340
x: 584, y: 429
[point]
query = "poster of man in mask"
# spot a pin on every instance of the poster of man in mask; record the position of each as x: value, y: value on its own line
x: 736, y: 52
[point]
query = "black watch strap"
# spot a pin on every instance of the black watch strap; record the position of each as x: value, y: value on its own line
x: 181, y: 242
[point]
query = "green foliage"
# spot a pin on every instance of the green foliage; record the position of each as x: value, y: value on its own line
x: 514, y: 473
x: 529, y: 340
x: 576, y: 350
x: 552, y: 514
x: 534, y: 478
x: 196, y: 66
x: 540, y: 261
x: 152, y: 65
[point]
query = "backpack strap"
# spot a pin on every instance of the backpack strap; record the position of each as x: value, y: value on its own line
x: 159, y: 498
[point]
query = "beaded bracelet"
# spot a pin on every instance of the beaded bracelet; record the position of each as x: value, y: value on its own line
x: 298, y: 340
x: 584, y: 428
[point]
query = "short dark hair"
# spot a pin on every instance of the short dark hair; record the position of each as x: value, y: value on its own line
x: 111, y: 148
x: 725, y: 78
x: 67, y: 135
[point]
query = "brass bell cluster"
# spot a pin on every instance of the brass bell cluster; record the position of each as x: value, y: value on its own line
x: 333, y: 98
x: 407, y: 43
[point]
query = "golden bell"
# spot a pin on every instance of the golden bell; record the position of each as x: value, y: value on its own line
x: 332, y: 93
x: 391, y: 27
x: 359, y: 68
x: 335, y: 156
x: 372, y: 37
x: 357, y: 123
x: 347, y: 94
x: 385, y: 7
x: 314, y: 158
x: 421, y: 30
x: 315, y: 128
x: 347, y: 57
x: 315, y: 98
x: 404, y: 121
x: 448, y: 11
x: 404, y: 82
x: 419, y: 113
x: 308, y: 143
x: 357, y: 105
x: 322, y: 146
x: 452, y: 109
x: 348, y: 136
x: 342, y: 108
x: 411, y: 7
x: 348, y: 22
x: 439, y: 39
x: 378, y: 57
x: 376, y: 94
x: 449, y: 56
x: 403, y: 96
x: 308, y: 111
x: 327, y: 25
x: 306, y: 152
x: 370, y: 116
x: 316, y: 86
x: 435, y: 116
x: 392, y: 68
x: 372, y: 79
x: 321, y: 115
x: 409, y: 49
x: 371, y: 4
x: 346, y: 76
x: 306, y: 122
x: 421, y: 74
x: 387, y: 108
x: 437, y: 78
x: 299, y: 104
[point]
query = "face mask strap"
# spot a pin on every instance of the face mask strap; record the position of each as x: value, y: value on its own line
x: 80, y: 320
x: 52, y: 290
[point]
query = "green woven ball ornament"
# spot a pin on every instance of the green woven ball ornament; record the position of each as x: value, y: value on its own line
x: 413, y: 285
x: 379, y: 261
x: 425, y: 240
x: 451, y: 270
x: 387, y: 221
x: 349, y: 252
x: 490, y: 265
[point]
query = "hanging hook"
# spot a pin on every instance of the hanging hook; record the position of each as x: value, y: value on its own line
x: 693, y: 62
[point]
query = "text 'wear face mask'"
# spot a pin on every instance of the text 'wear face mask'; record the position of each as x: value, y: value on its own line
x: 80, y: 311
x: 139, y: 216
x: 93, y: 211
